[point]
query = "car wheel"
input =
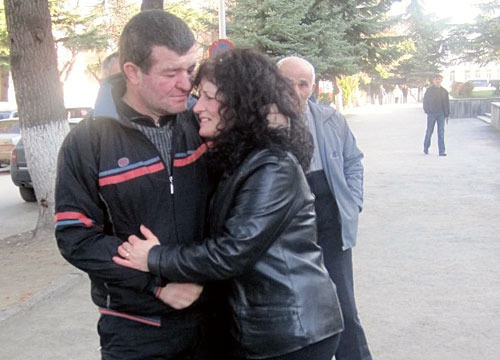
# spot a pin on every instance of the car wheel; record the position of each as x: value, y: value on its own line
x: 28, y: 194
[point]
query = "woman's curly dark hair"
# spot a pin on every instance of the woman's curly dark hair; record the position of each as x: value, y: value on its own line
x: 248, y: 84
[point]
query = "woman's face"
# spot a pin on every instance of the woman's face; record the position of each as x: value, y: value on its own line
x: 207, y: 109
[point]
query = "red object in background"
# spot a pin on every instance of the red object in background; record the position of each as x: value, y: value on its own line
x: 219, y: 46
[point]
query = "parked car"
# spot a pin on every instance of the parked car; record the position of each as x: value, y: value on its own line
x: 481, y: 85
x: 8, y: 114
x: 19, y: 171
x: 10, y: 134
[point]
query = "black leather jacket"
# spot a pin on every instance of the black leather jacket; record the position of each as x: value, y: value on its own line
x: 263, y: 238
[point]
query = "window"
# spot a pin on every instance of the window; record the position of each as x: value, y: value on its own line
x: 10, y: 126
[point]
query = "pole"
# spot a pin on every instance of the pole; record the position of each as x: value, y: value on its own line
x: 222, y: 20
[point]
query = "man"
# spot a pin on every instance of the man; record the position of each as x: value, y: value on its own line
x: 138, y: 162
x: 336, y: 179
x: 437, y: 108
x: 110, y: 65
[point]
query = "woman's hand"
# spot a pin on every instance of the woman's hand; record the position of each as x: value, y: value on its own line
x: 134, y: 252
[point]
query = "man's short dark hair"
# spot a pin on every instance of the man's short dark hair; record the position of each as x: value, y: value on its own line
x: 437, y: 76
x: 153, y: 28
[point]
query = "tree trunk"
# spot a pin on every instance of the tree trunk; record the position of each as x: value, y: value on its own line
x: 39, y: 98
x: 4, y: 85
x: 420, y: 94
x: 151, y: 4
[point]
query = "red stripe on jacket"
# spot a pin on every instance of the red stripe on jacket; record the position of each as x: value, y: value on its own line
x: 130, y: 317
x: 73, y: 215
x: 193, y: 157
x: 132, y: 174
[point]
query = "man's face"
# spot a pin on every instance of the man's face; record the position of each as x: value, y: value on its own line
x: 437, y: 81
x: 165, y: 88
x: 302, y: 78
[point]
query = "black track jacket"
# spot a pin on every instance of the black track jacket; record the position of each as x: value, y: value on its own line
x: 111, y: 179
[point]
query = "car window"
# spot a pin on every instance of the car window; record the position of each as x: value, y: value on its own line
x: 10, y: 127
x: 5, y: 114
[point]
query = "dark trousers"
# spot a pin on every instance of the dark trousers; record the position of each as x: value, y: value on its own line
x: 322, y: 350
x: 432, y: 120
x: 353, y: 345
x: 180, y: 338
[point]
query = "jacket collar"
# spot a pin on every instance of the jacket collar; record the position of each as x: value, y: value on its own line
x: 109, y: 104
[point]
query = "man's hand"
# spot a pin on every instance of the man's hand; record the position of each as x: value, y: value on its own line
x: 180, y: 295
x: 134, y: 252
x: 276, y: 118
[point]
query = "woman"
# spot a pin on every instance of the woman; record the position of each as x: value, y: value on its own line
x: 262, y: 222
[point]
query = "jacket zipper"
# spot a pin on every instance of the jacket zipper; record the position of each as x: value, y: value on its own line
x: 171, y: 179
x: 170, y: 171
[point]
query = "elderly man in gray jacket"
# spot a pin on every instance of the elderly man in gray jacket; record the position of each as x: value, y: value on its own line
x: 336, y: 179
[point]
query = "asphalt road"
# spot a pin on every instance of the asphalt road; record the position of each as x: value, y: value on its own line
x: 16, y: 215
x: 426, y: 264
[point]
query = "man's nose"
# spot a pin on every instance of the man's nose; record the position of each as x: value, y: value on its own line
x: 297, y: 90
x: 185, y: 81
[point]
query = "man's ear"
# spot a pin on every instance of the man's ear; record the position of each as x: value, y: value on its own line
x: 132, y: 72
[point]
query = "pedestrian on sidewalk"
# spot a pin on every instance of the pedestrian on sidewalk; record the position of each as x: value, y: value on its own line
x: 139, y: 160
x: 437, y: 108
x: 336, y: 179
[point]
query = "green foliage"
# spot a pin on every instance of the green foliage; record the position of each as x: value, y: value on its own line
x: 4, y: 42
x: 484, y: 94
x: 348, y: 84
x: 479, y: 42
x: 369, y: 32
x: 461, y: 89
x: 336, y: 36
x: 111, y: 16
x: 325, y: 98
x: 72, y: 30
x: 429, y: 47
x: 200, y: 21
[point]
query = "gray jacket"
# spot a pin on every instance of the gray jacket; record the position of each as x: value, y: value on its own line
x: 341, y: 160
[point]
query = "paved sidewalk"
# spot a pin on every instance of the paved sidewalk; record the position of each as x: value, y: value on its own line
x: 426, y: 266
x: 427, y: 263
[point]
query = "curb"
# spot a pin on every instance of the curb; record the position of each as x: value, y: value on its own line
x: 62, y: 284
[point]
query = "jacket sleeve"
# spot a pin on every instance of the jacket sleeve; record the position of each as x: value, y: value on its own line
x: 426, y: 101
x: 253, y: 223
x: 80, y: 217
x: 353, y: 168
x: 446, y: 102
